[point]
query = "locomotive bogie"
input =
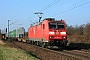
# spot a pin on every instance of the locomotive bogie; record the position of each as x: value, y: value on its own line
x: 58, y: 43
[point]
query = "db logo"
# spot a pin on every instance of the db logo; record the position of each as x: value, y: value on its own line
x: 57, y: 32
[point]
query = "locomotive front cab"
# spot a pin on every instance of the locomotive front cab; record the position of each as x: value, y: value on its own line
x: 57, y: 33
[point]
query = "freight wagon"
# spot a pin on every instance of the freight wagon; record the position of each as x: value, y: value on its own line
x: 17, y: 33
x: 49, y: 32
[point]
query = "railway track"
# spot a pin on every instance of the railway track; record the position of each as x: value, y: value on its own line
x: 83, y: 51
x: 47, y: 54
x: 80, y: 55
x: 86, y: 51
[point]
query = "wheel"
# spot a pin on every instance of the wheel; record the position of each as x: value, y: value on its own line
x: 36, y: 43
x: 43, y: 45
x: 27, y: 41
x: 60, y: 48
x: 46, y: 45
x: 51, y: 47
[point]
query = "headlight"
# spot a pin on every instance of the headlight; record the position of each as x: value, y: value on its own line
x: 51, y: 32
x: 50, y: 37
x: 63, y: 37
x: 62, y: 32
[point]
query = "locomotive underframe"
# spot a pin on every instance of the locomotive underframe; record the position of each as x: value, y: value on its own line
x: 49, y: 43
x: 58, y: 42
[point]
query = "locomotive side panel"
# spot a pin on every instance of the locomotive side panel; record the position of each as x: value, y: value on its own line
x: 45, y: 31
x: 32, y: 34
x: 38, y: 32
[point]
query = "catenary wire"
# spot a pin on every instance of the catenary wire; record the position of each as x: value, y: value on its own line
x: 71, y: 8
x: 75, y: 4
x: 51, y: 4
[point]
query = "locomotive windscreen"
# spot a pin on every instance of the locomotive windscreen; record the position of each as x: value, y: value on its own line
x: 60, y: 26
x: 56, y: 25
x: 52, y: 25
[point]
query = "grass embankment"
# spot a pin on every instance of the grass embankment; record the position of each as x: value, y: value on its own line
x: 7, y: 53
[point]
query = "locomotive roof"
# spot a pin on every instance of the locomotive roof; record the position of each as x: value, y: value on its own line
x: 52, y: 19
x: 49, y: 19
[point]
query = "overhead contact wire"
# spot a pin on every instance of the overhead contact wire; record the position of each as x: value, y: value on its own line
x: 72, y: 8
x: 51, y: 5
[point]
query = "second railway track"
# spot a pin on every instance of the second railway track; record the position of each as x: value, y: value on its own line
x: 77, y: 54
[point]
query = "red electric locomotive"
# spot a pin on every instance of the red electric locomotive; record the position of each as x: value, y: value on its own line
x: 49, y: 32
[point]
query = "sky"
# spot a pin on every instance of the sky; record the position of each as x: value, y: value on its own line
x: 20, y: 13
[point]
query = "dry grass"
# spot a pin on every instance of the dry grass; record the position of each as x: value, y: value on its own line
x: 79, y: 34
x: 78, y: 39
x: 1, y: 42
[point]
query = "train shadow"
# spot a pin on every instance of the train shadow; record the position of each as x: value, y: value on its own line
x: 74, y: 46
x: 78, y: 46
